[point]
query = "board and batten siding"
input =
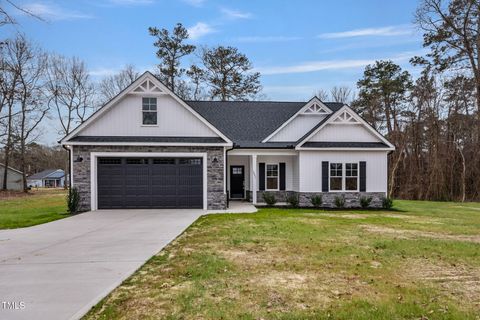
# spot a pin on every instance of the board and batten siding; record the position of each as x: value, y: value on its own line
x: 297, y: 128
x: 346, y: 133
x: 289, y: 160
x: 310, y: 166
x: 125, y: 119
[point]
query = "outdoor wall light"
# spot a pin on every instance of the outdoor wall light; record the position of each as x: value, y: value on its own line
x: 79, y: 159
x: 215, y: 160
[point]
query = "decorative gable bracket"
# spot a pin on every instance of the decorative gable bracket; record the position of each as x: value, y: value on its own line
x: 345, y: 117
x: 316, y: 109
x: 147, y: 87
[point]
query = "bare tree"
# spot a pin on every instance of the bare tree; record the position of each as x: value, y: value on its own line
x: 70, y: 93
x: 110, y: 86
x: 30, y: 65
x: 322, y: 95
x: 9, y: 84
x: 341, y: 94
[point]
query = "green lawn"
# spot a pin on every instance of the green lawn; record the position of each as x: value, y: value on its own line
x: 28, y: 210
x: 421, y: 261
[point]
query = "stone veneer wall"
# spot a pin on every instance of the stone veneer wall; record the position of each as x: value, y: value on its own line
x: 352, y: 199
x: 216, y: 199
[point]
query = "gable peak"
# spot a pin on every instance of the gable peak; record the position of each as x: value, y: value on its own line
x: 345, y: 117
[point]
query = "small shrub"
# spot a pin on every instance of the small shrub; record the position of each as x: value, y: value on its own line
x: 73, y: 200
x: 316, y: 200
x: 387, y: 203
x: 365, y: 202
x: 292, y: 200
x: 339, y: 201
x: 269, y: 198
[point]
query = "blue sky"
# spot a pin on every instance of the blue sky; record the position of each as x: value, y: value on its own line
x: 298, y: 46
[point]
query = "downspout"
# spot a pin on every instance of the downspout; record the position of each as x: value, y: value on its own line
x: 227, y: 182
x: 70, y: 165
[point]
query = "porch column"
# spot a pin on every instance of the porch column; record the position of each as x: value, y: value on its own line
x: 253, y: 177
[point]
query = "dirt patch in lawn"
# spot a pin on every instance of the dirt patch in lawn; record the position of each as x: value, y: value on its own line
x: 459, y: 281
x: 306, y: 289
x: 412, y: 234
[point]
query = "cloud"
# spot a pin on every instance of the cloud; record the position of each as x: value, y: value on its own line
x: 199, y: 30
x: 235, y: 14
x: 260, y: 39
x: 313, y: 66
x: 54, y: 12
x: 367, y: 32
x: 131, y: 2
x: 195, y: 3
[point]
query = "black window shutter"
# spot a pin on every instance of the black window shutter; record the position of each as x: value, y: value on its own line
x: 282, y: 175
x: 324, y: 176
x: 261, y: 175
x: 363, y: 176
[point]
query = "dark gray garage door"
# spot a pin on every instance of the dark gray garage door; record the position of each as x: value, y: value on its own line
x: 149, y: 183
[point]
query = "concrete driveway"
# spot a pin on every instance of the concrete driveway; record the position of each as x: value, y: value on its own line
x: 59, y: 270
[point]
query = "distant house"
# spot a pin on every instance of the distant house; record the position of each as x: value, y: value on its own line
x: 14, y: 178
x: 50, y: 178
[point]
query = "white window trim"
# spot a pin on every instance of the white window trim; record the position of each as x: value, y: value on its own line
x: 344, y: 177
x: 278, y: 176
x: 142, y: 111
x: 93, y: 169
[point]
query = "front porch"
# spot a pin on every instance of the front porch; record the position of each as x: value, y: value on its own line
x: 251, y: 173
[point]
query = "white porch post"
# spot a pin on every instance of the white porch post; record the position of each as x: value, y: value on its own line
x: 253, y: 177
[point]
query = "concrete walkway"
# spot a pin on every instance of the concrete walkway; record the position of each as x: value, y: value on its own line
x: 59, y: 270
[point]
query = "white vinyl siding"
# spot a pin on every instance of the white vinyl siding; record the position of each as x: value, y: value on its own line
x: 125, y: 119
x: 344, y: 132
x: 310, y: 167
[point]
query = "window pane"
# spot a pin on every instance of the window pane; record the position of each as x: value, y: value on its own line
x: 149, y: 117
x: 272, y: 170
x: 335, y: 169
x: 272, y: 183
x: 149, y: 104
x: 351, y: 183
x: 351, y: 169
x: 335, y: 183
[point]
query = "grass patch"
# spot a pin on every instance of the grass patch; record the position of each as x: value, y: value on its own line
x: 37, y: 207
x: 418, y: 262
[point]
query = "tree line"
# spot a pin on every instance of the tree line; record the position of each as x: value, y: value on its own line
x: 433, y: 120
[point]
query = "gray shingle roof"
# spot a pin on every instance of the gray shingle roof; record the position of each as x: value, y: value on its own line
x: 46, y: 173
x: 247, y: 123
x: 344, y: 145
x: 147, y: 139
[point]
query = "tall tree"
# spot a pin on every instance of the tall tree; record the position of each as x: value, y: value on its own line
x: 30, y: 64
x: 196, y: 75
x: 111, y: 85
x: 69, y: 90
x: 452, y: 32
x: 382, y: 93
x: 171, y: 49
x: 229, y: 75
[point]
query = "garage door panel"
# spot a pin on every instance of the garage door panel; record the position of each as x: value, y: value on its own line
x: 150, y: 183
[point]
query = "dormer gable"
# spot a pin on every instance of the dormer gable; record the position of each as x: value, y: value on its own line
x: 301, y: 122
